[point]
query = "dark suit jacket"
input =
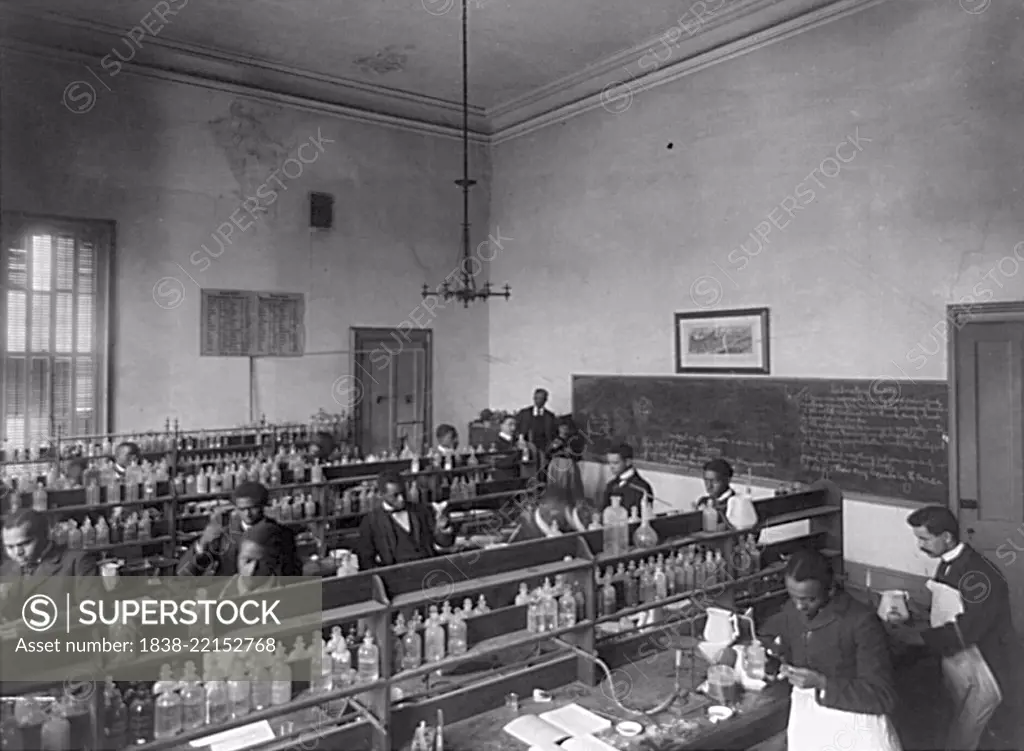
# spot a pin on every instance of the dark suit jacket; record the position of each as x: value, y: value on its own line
x: 528, y: 528
x: 377, y: 536
x: 539, y: 431
x: 632, y: 491
x: 845, y: 642
x: 507, y: 462
x: 986, y: 620
x: 221, y: 559
x: 60, y: 572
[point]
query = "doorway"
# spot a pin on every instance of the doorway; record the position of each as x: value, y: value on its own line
x: 986, y: 352
x: 395, y: 370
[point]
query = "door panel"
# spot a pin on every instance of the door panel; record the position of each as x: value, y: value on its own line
x: 990, y: 439
x: 375, y: 408
x: 395, y: 371
x: 410, y: 390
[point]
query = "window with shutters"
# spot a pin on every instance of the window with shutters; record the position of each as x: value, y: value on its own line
x: 54, y: 302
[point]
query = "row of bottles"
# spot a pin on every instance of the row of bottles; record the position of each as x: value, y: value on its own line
x: 443, y: 634
x: 686, y: 570
x: 616, y: 521
x: 45, y: 723
x: 552, y: 606
x: 122, y: 528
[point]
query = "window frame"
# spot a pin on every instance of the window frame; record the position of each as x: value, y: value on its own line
x: 14, y: 227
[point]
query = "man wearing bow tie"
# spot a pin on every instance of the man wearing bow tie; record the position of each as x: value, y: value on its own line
x: 400, y: 532
x: 538, y: 425
x: 967, y: 583
x: 626, y: 482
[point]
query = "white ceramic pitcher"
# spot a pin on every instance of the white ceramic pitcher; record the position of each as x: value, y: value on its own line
x: 721, y: 629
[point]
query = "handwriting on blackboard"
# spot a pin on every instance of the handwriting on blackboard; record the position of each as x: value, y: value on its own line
x: 789, y: 429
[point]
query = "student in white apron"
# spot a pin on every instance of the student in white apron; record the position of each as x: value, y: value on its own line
x: 836, y: 655
x: 971, y: 630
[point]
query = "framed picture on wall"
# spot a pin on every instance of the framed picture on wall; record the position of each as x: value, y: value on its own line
x: 723, y: 341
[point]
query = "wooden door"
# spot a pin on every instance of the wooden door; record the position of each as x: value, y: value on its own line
x: 394, y: 370
x: 988, y: 405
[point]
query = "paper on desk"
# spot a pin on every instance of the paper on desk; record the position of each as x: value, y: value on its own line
x: 533, y: 731
x: 238, y: 738
x: 575, y: 720
x: 587, y: 743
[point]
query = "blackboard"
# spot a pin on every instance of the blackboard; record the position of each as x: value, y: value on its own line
x: 887, y: 440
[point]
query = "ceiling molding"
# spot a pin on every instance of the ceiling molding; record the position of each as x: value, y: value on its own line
x: 615, y: 92
x: 744, y: 26
x: 255, y: 93
x: 690, y: 31
x: 93, y: 44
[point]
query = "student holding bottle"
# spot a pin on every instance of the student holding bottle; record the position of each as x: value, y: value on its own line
x: 733, y: 511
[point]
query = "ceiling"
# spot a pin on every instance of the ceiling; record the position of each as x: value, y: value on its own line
x: 359, y: 52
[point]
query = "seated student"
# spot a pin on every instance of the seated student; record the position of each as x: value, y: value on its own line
x: 216, y: 552
x: 507, y: 464
x: 548, y: 518
x: 835, y: 654
x: 734, y: 512
x: 447, y: 440
x: 431, y: 487
x: 265, y: 556
x: 34, y: 563
x: 580, y: 514
x: 626, y: 482
x: 125, y: 455
x: 399, y: 532
x: 564, y: 454
x: 322, y: 447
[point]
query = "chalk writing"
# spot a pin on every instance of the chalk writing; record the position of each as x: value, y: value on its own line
x: 787, y: 429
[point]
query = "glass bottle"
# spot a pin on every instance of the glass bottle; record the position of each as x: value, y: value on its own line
x: 608, y: 603
x: 281, y: 678
x: 549, y: 607
x: 457, y: 640
x: 566, y: 609
x: 533, y: 615
x: 167, y: 711
x: 193, y: 699
x: 39, y: 497
x: 140, y: 716
x: 262, y: 688
x: 369, y: 660
x: 631, y: 586
x: 614, y: 519
x: 56, y: 731
x: 433, y: 639
x: 645, y: 536
x: 239, y: 692
x: 412, y: 645
x: 218, y: 708
x: 115, y: 717
x: 523, y: 597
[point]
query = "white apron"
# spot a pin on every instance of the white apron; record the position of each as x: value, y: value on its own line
x: 813, y: 727
x: 975, y: 691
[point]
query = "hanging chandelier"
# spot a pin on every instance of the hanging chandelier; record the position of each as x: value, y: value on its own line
x: 464, y: 288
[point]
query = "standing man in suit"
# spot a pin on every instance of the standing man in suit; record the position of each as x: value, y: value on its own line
x: 216, y: 552
x: 399, y: 532
x: 34, y: 563
x: 985, y: 622
x: 626, y: 482
x: 538, y: 425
